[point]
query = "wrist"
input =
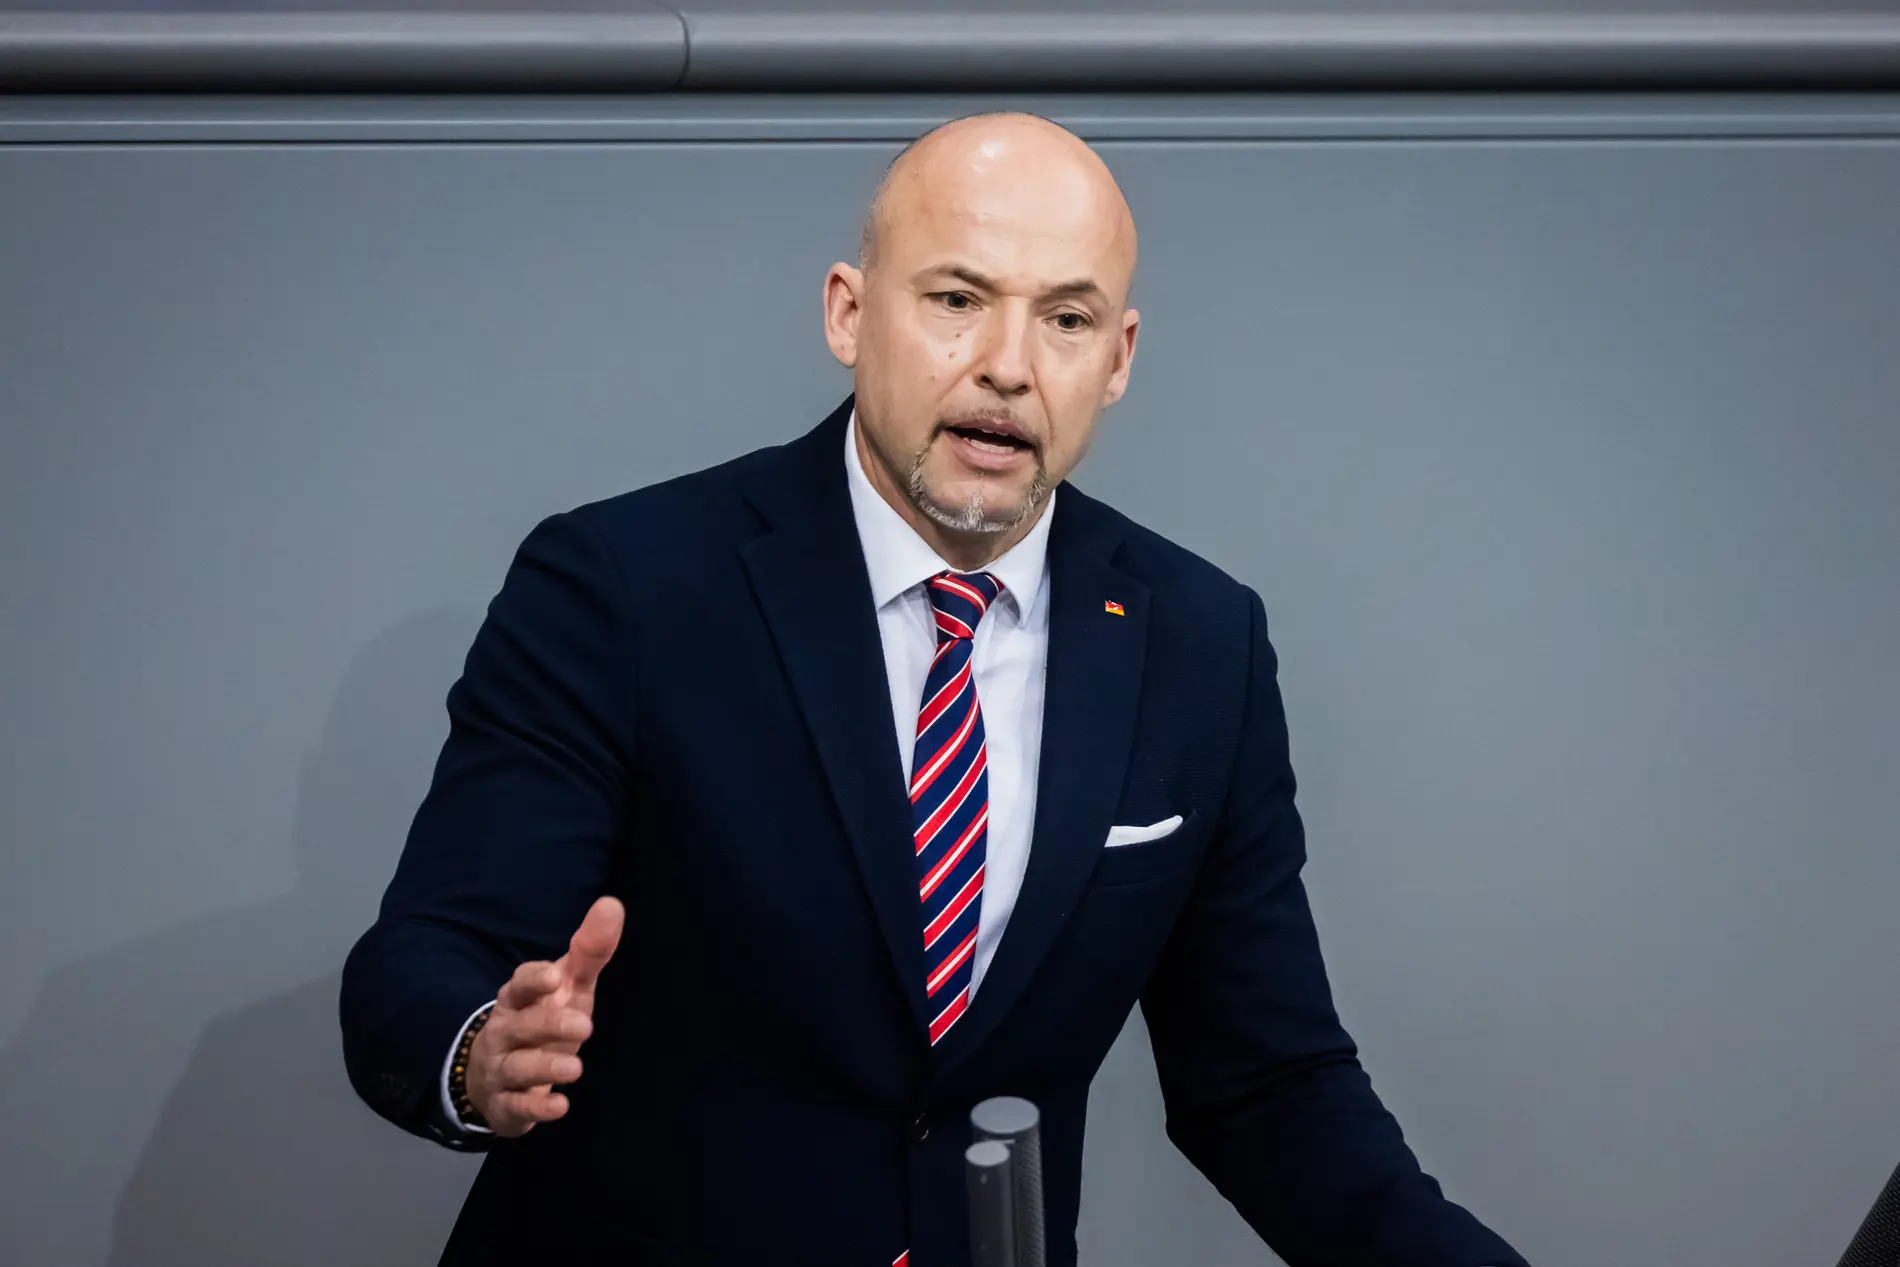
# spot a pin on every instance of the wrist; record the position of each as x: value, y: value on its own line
x: 459, y: 1066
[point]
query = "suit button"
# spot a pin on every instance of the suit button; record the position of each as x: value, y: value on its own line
x: 920, y: 1129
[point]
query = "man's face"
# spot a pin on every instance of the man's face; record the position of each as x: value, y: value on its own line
x: 991, y: 332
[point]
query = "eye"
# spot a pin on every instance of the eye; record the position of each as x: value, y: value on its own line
x: 954, y: 300
x: 1081, y: 322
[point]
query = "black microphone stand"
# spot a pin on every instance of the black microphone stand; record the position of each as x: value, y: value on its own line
x: 1003, y: 1170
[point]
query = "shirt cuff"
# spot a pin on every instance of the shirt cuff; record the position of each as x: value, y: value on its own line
x: 448, y: 1063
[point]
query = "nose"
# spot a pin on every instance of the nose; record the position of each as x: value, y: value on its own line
x: 1005, y: 364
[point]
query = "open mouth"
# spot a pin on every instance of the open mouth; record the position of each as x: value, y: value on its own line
x: 987, y: 440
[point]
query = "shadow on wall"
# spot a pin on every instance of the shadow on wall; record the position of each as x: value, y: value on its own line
x: 259, y: 1152
x: 180, y: 1100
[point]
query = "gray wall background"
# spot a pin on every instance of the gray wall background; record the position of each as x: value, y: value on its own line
x: 1558, y: 435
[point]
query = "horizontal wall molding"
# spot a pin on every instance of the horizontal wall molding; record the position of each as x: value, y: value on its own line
x: 792, y: 118
x: 641, y: 46
x: 628, y: 47
x: 1206, y: 51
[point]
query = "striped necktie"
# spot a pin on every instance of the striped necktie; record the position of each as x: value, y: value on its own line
x: 950, y: 797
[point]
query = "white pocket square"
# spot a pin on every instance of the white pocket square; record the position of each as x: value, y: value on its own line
x: 1141, y: 835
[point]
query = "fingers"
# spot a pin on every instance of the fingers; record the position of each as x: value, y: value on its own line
x: 526, y: 1068
x: 512, y: 1114
x: 517, y: 1112
x: 531, y: 983
x: 512, y: 1080
x: 549, y: 1023
x: 541, y: 1017
x: 594, y: 942
x: 590, y: 948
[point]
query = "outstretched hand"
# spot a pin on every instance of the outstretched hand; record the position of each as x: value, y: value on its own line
x: 532, y: 1040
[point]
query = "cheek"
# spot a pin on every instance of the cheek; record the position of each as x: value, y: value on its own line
x: 951, y: 355
x: 930, y: 358
x: 1074, y: 407
x: 1072, y: 369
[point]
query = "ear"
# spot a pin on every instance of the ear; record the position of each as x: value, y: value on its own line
x: 844, y: 305
x: 1124, y: 357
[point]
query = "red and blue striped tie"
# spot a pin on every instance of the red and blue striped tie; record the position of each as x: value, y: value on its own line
x: 950, y: 796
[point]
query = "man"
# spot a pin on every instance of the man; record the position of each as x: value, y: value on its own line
x: 820, y: 795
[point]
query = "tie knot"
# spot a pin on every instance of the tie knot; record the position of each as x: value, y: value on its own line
x: 960, y: 599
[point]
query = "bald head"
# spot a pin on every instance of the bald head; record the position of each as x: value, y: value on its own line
x: 986, y: 325
x: 997, y: 147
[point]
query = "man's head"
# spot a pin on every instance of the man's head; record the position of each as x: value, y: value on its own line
x: 990, y: 300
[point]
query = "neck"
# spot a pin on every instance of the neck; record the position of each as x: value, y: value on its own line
x: 964, y: 551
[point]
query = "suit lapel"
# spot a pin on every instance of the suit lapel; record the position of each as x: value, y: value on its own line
x: 1092, y: 690
x: 810, y: 580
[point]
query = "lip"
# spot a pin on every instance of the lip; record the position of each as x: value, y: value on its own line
x: 1002, y: 426
x: 986, y: 461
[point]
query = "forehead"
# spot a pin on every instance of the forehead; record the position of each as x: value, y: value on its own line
x: 1011, y: 217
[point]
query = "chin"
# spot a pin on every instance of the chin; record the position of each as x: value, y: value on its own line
x: 977, y: 506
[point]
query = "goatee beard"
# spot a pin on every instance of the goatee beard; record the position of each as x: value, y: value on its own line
x: 973, y: 516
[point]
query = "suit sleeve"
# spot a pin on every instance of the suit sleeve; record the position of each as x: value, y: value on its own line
x: 515, y: 838
x: 1263, y: 1086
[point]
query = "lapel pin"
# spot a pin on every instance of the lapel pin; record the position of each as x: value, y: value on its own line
x: 1113, y: 608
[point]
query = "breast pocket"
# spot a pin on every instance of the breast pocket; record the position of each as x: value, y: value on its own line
x: 1151, y: 859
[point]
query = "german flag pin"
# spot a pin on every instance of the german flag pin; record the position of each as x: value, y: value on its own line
x: 1113, y: 608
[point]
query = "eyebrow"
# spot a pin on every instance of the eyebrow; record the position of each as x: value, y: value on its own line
x: 1076, y: 289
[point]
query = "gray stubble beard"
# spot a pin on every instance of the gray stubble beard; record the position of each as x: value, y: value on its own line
x: 973, y: 517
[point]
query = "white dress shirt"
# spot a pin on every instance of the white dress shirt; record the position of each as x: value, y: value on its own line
x: 1009, y: 658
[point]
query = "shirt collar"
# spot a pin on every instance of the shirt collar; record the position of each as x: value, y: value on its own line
x: 899, y: 560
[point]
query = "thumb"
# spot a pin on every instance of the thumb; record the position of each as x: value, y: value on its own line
x: 593, y: 943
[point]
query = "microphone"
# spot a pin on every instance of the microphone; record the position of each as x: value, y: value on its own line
x: 1017, y: 1125
x: 992, y: 1204
x: 1877, y: 1244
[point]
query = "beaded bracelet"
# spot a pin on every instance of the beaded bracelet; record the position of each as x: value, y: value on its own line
x: 458, y: 1072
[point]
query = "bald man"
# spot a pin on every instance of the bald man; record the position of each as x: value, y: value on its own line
x: 791, y: 808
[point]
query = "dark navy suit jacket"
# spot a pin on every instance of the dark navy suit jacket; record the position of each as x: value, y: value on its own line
x: 679, y: 697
